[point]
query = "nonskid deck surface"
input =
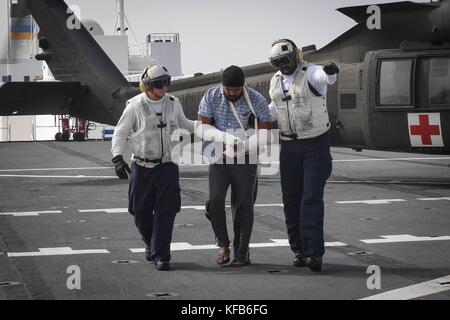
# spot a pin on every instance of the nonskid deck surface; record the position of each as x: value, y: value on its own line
x: 62, y: 209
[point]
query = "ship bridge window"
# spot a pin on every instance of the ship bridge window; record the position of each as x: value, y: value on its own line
x: 395, y: 83
x: 439, y: 85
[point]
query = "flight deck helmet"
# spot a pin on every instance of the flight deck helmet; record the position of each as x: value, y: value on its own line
x: 284, y: 52
x: 155, y: 76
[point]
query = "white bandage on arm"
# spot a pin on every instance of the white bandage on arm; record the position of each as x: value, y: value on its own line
x: 209, y: 133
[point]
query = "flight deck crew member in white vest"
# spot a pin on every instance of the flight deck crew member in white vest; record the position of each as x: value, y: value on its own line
x: 148, y: 122
x: 298, y: 92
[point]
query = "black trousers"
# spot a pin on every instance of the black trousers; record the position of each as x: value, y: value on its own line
x: 154, y: 200
x: 243, y: 179
x: 305, y: 166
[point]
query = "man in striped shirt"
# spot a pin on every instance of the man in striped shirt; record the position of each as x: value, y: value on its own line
x: 224, y: 115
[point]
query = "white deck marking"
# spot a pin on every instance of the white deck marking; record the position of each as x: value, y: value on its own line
x: 113, y: 210
x: 404, y: 238
x: 355, y: 181
x: 64, y: 177
x: 27, y: 214
x: 181, y: 246
x: 391, y: 159
x: 59, y: 251
x: 204, y: 165
x: 335, y: 244
x: 56, y: 169
x: 199, y: 208
x: 206, y: 179
x: 269, y: 205
x: 379, y: 201
x: 414, y: 291
x: 193, y: 207
x: 434, y: 199
x: 347, y: 181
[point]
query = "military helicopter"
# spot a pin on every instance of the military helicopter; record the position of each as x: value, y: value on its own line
x: 392, y: 93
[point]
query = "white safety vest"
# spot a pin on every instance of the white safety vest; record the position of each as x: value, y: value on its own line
x: 300, y: 113
x: 151, y: 136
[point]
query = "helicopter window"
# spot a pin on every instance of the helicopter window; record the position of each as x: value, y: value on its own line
x: 440, y: 81
x: 395, y: 82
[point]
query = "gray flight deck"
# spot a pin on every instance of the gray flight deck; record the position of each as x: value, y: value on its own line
x: 55, y: 196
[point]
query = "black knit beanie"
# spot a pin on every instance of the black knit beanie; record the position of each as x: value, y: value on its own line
x: 233, y: 76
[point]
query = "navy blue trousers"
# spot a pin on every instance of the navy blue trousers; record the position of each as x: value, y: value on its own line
x: 154, y: 200
x: 305, y: 166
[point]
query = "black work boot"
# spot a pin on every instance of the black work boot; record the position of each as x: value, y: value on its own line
x: 299, y: 261
x: 314, y: 263
x: 162, y: 265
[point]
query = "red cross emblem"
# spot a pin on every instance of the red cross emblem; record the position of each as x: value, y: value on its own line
x: 425, y: 130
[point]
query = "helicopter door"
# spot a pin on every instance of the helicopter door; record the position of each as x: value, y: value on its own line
x: 350, y: 114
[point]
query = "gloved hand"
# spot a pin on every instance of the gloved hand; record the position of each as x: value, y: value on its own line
x: 331, y: 68
x: 121, y: 167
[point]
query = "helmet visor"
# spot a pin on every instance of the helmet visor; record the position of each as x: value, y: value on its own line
x: 282, y: 61
x: 160, y: 83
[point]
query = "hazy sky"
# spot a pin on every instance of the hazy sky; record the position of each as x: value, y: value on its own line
x: 215, y: 34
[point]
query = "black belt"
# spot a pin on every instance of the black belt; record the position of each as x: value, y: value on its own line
x: 291, y: 136
x: 156, y: 161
